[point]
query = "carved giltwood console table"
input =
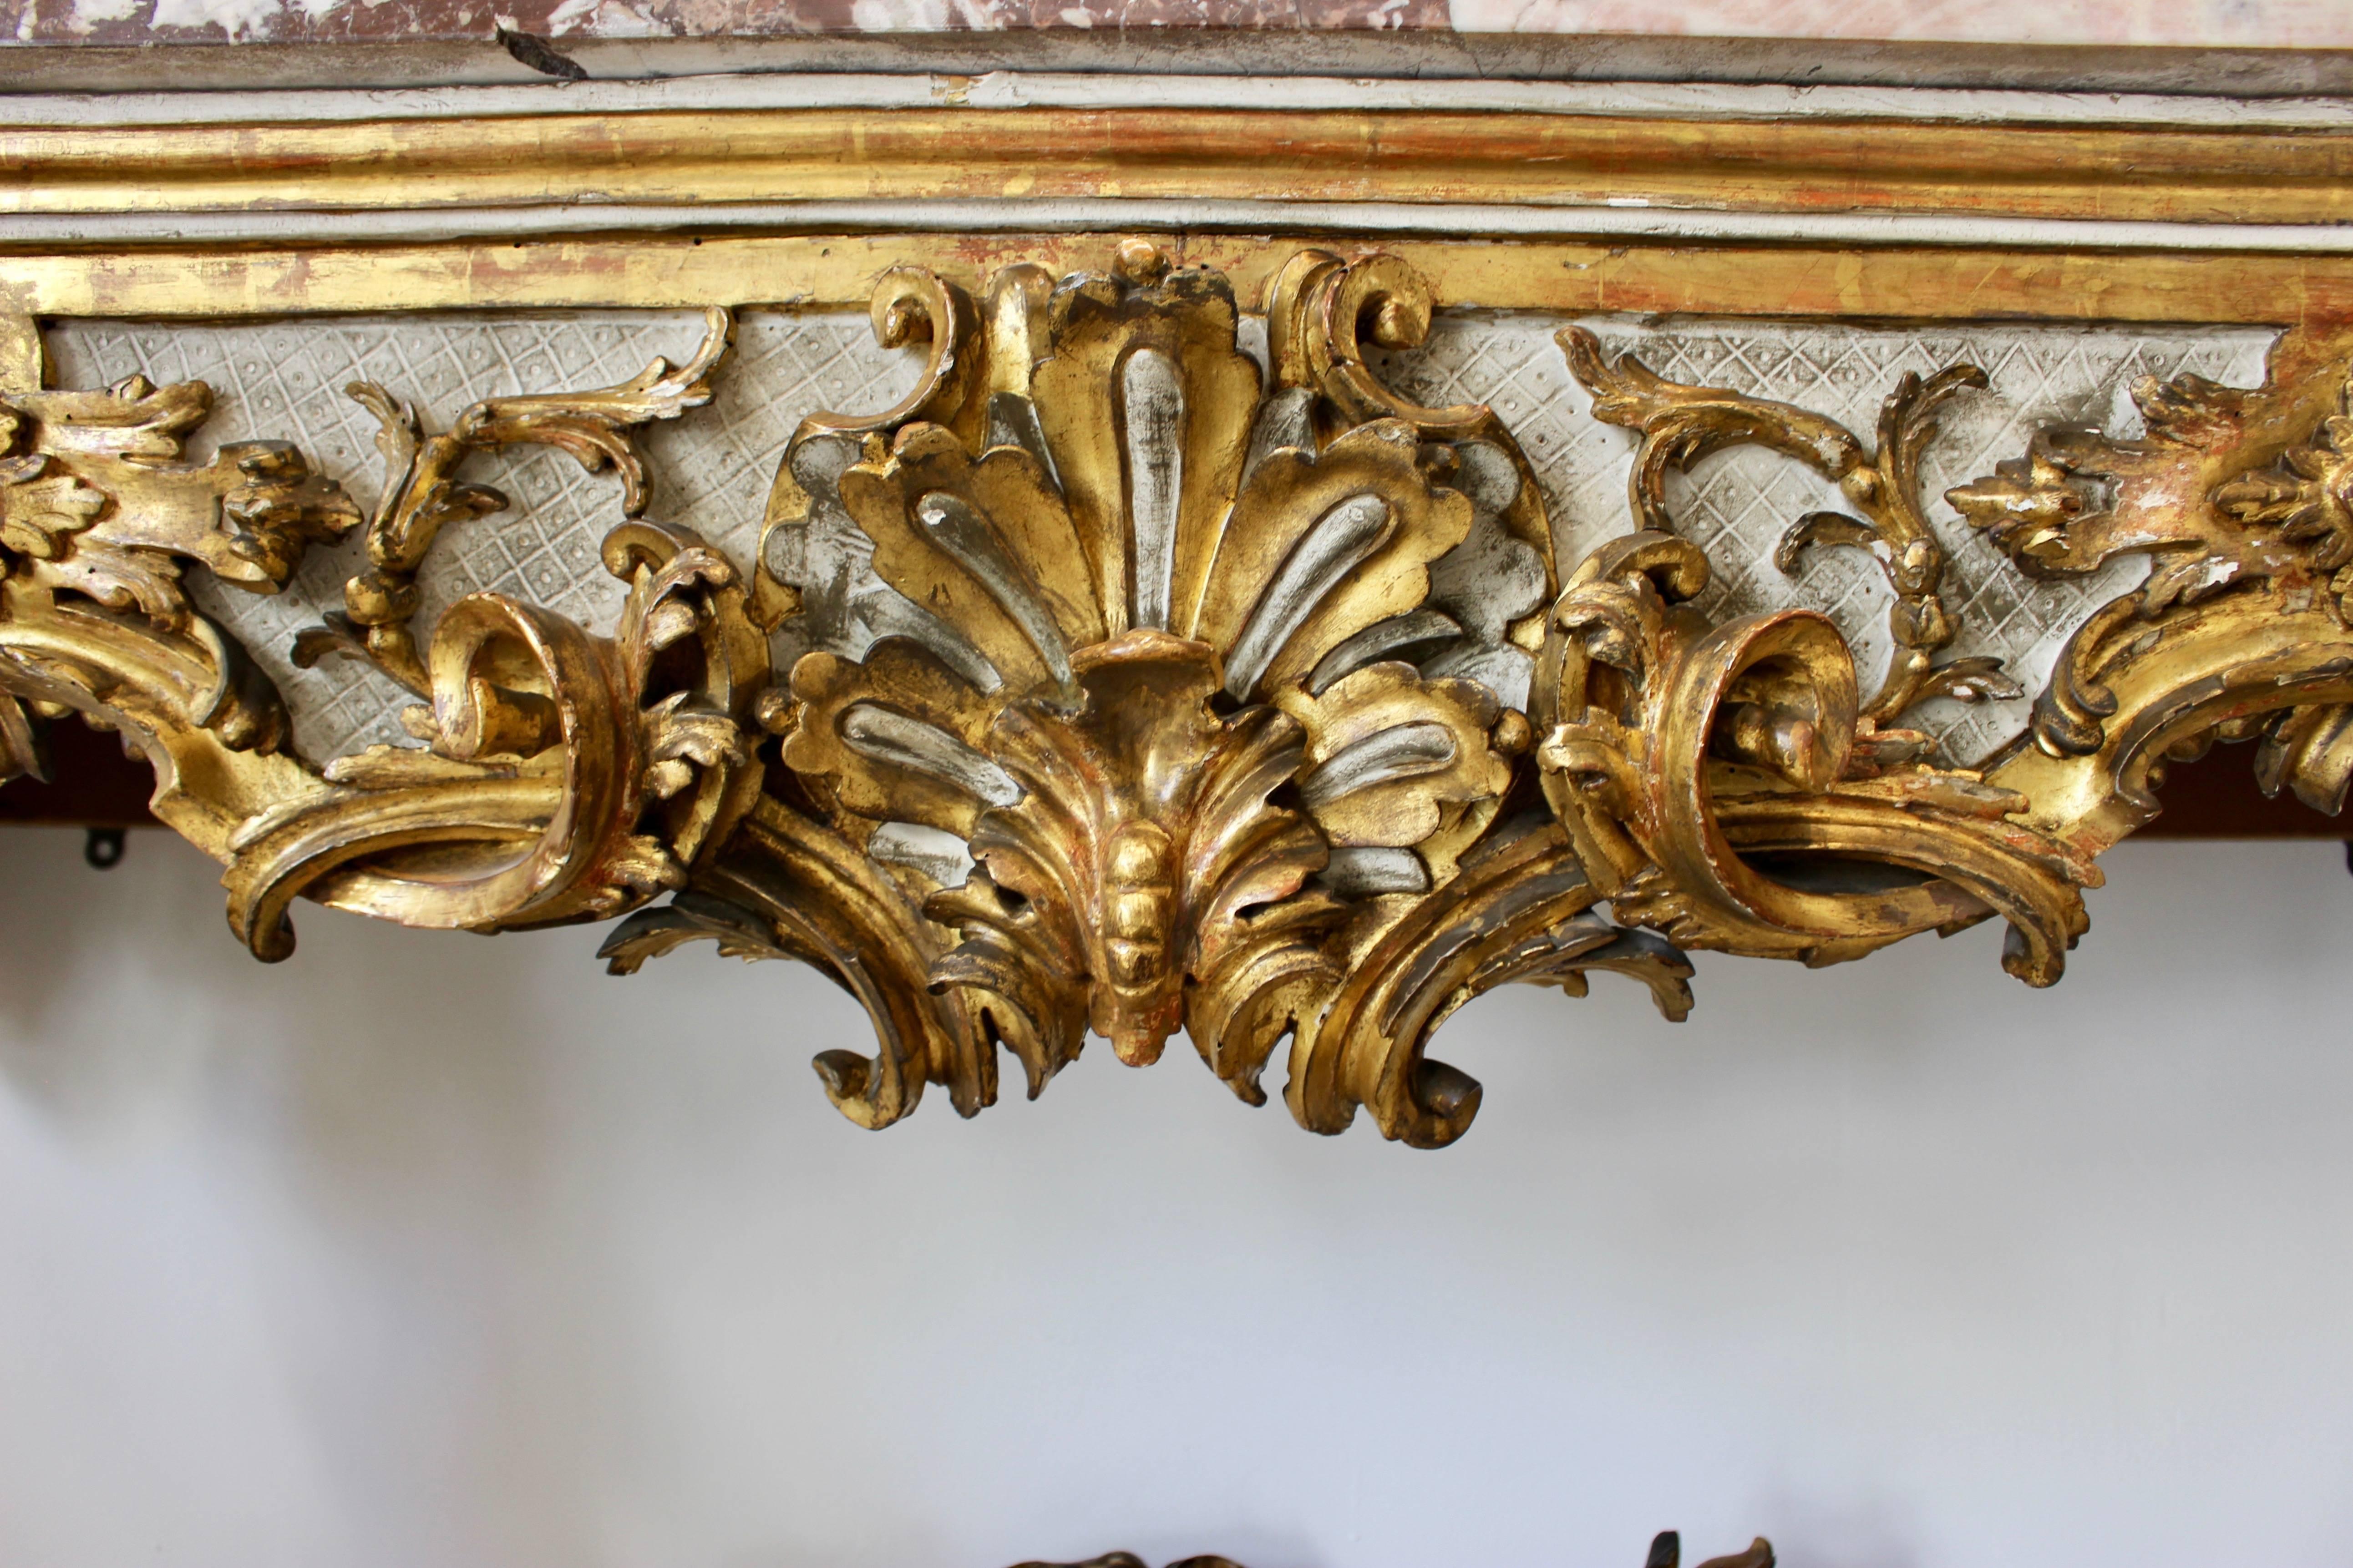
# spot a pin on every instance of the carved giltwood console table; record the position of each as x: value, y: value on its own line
x: 1277, y: 639
x: 1078, y: 556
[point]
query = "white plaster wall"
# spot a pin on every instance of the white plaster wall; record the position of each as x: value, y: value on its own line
x: 424, y: 1251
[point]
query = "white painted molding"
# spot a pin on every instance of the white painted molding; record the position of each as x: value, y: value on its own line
x: 1625, y: 219
x: 1003, y: 89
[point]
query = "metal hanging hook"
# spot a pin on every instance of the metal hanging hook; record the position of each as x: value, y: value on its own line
x: 102, y: 850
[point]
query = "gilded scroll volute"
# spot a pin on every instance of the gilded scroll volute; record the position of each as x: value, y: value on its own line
x: 1727, y: 782
x: 564, y: 775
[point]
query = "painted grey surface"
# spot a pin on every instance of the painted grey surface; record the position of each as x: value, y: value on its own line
x: 712, y: 469
x: 1736, y: 504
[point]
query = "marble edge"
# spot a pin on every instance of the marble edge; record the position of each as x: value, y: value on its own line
x: 37, y: 63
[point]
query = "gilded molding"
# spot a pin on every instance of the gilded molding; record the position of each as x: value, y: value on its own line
x: 2110, y: 173
x: 1945, y: 282
x: 1236, y: 696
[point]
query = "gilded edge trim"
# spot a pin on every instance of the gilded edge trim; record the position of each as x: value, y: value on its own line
x: 1861, y: 166
x: 823, y: 271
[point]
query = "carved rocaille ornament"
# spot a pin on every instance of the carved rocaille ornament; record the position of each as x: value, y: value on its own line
x: 1202, y: 692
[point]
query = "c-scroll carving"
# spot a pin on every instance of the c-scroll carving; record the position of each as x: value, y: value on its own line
x: 564, y: 776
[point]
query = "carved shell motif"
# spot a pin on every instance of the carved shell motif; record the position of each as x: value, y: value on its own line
x: 1168, y: 687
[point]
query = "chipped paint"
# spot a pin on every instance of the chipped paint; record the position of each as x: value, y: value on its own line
x: 237, y: 18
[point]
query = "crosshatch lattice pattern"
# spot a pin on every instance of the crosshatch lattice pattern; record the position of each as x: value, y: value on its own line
x: 1736, y: 504
x: 712, y: 470
x: 285, y: 380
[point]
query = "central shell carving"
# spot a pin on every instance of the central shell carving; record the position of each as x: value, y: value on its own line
x: 1165, y: 677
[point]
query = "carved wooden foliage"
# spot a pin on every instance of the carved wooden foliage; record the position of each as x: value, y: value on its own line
x: 2239, y: 500
x: 1148, y: 690
x: 1192, y: 692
